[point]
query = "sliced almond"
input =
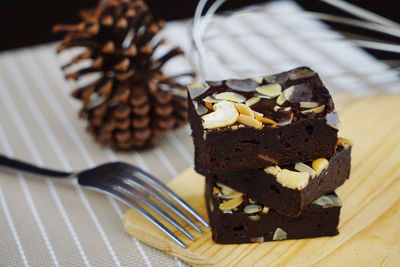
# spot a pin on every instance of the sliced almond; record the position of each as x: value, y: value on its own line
x: 231, y: 204
x: 279, y: 234
x: 274, y: 170
x: 344, y: 142
x: 301, y: 167
x: 309, y: 104
x: 270, y: 90
x: 319, y: 165
x: 266, y: 120
x: 231, y: 195
x: 246, y: 120
x: 225, y: 114
x: 265, y: 210
x: 281, y: 99
x: 227, y: 212
x: 287, y: 93
x: 210, y: 99
x: 258, y: 114
x: 196, y: 85
x: 259, y: 239
x: 327, y: 201
x: 293, y: 179
x: 258, y: 80
x: 245, y: 110
x: 249, y: 209
x: 225, y: 189
x: 252, y: 101
x: 200, y: 109
x: 301, y: 73
x: 231, y: 96
x: 252, y: 201
x: 195, y: 89
x: 314, y: 110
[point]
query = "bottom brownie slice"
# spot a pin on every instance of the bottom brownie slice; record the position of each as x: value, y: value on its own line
x: 236, y: 219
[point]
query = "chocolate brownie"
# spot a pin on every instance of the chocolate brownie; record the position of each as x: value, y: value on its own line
x: 273, y: 120
x: 239, y: 220
x: 291, y: 191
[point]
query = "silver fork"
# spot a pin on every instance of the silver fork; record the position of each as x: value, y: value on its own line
x: 129, y: 184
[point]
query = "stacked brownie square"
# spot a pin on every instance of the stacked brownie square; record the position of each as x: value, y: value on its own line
x: 270, y: 153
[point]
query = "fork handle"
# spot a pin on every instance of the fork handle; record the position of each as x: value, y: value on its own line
x: 19, y: 165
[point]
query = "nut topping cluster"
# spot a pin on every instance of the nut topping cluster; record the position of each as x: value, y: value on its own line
x: 249, y: 93
x: 232, y: 199
x: 298, y: 178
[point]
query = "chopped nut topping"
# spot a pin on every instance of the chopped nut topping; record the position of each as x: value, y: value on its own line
x: 270, y: 90
x: 252, y: 209
x: 258, y: 80
x: 227, y: 211
x: 308, y: 104
x: 344, y: 142
x: 258, y: 114
x: 231, y: 96
x: 225, y: 114
x: 200, y: 109
x: 252, y: 101
x: 247, y: 85
x: 195, y: 89
x: 301, y: 167
x: 293, y: 179
x: 265, y: 210
x: 272, y: 170
x: 245, y: 110
x: 327, y: 201
x: 319, y: 165
x: 332, y: 119
x: 231, y: 204
x: 314, y: 110
x: 252, y: 201
x: 231, y: 195
x: 225, y: 189
x: 266, y: 120
x: 257, y: 239
x: 281, y: 99
x: 234, y: 127
x: 301, y: 74
x: 210, y: 99
x: 246, y: 120
x: 279, y: 234
x: 276, y: 108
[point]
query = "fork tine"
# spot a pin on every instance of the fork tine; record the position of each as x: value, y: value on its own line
x: 161, y: 187
x: 139, y: 196
x: 135, y: 205
x: 148, y: 188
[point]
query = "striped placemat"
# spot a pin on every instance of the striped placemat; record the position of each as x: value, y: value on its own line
x: 56, y: 223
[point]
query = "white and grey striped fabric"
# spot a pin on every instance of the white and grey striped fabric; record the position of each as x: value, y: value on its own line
x: 44, y: 222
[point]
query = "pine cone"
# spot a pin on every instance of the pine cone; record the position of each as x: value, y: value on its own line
x: 132, y: 102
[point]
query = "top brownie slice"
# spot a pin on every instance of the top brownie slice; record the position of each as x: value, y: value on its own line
x: 252, y: 123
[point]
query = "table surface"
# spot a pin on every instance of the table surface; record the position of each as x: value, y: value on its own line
x: 44, y: 222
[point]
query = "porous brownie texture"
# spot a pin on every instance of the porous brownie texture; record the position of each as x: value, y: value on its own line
x: 267, y: 190
x: 250, y: 222
x: 303, y: 126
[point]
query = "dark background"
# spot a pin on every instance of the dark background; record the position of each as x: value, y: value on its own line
x: 29, y: 22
